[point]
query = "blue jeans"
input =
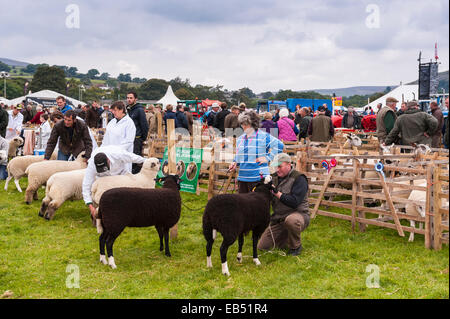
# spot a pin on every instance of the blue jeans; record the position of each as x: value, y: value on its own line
x: 62, y: 156
x: 3, y: 172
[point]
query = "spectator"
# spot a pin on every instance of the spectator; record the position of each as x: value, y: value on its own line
x: 98, y: 110
x: 190, y: 119
x: 379, y: 106
x: 290, y: 208
x: 304, y: 123
x: 327, y: 111
x: 255, y: 148
x: 15, y: 120
x: 27, y: 114
x: 151, y: 119
x: 73, y: 135
x: 137, y: 114
x: 212, y: 114
x: 45, y: 131
x: 180, y: 118
x: 276, y: 116
x: 268, y: 125
x: 231, y: 120
x: 321, y: 128
x: 62, y: 105
x: 446, y: 134
x: 92, y: 117
x: 4, y: 146
x: 83, y: 110
x: 436, y: 138
x: 121, y: 130
x: 4, y: 118
x: 242, y: 107
x: 170, y: 114
x: 219, y: 120
x: 402, y: 109
x: 106, y: 116
x: 287, y: 130
x: 351, y: 120
x: 414, y: 126
x: 386, y: 118
x: 37, y: 118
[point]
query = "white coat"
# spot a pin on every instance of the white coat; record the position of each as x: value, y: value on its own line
x: 120, y: 133
x: 119, y: 159
x: 45, y: 133
x: 14, y: 122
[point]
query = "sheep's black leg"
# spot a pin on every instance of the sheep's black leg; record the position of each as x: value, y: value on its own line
x: 241, y: 243
x: 255, y: 237
x: 102, y: 243
x: 209, y: 245
x: 223, y: 254
x: 166, y: 242
x: 109, y: 248
x: 161, y: 235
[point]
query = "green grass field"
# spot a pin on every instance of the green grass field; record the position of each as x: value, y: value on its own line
x: 37, y: 258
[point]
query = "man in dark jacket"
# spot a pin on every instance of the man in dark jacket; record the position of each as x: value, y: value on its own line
x: 4, y: 118
x: 321, y: 128
x: 73, y: 137
x: 351, y: 120
x: 414, y: 126
x: 169, y: 114
x: 219, y: 121
x: 327, y: 111
x: 180, y: 118
x: 290, y: 208
x: 436, y: 138
x: 137, y: 114
x: 305, y: 119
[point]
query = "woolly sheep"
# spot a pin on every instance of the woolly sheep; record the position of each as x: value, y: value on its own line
x: 14, y: 144
x: 144, y: 179
x: 234, y: 215
x: 60, y: 187
x: 18, y: 165
x: 138, y: 207
x: 39, y: 173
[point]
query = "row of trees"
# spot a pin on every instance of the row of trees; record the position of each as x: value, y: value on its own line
x: 55, y: 78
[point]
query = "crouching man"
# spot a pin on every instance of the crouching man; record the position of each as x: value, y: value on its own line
x: 290, y: 208
x: 108, y: 160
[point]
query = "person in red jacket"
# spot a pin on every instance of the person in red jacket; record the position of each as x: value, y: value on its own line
x: 37, y: 118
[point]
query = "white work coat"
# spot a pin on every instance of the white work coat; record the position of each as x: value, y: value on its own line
x: 120, y: 133
x: 14, y: 122
x: 45, y: 134
x: 119, y: 160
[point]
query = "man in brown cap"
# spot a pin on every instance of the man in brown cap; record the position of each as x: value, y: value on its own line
x: 414, y: 126
x: 386, y: 118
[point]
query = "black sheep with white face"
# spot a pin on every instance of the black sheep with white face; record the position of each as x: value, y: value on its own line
x: 138, y: 207
x: 234, y: 215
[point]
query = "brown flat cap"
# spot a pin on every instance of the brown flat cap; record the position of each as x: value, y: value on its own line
x: 411, y: 104
x: 391, y: 99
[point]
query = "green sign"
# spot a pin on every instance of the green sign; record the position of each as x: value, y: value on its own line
x: 188, y: 163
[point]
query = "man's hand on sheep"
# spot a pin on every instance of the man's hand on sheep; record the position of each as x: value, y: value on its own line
x: 232, y: 167
x: 92, y: 210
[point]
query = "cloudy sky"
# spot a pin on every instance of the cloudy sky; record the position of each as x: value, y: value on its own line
x: 264, y: 45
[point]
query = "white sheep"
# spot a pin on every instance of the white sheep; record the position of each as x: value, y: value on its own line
x: 17, y: 166
x: 144, y: 179
x: 39, y: 173
x: 14, y: 144
x: 60, y: 187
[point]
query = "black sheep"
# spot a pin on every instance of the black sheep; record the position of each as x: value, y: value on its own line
x: 234, y: 215
x: 138, y: 207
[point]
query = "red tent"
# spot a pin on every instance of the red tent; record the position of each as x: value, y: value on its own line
x: 369, y: 123
x: 209, y: 102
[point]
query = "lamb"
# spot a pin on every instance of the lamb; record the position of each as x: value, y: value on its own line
x: 144, y: 179
x: 234, y: 215
x: 138, y: 207
x: 18, y: 165
x: 60, y: 187
x: 14, y: 144
x: 39, y: 173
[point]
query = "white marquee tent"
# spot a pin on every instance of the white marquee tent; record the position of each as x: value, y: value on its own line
x: 403, y: 93
x: 168, y: 98
x: 45, y: 95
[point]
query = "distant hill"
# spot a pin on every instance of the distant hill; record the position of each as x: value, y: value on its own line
x: 354, y: 90
x: 13, y: 62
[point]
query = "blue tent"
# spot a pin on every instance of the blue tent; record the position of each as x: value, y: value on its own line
x: 313, y: 103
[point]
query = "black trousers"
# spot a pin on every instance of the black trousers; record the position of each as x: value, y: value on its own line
x: 137, y: 149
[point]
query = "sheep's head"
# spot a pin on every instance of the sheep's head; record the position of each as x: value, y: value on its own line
x: 354, y: 140
x: 421, y: 149
x: 151, y: 164
x: 386, y: 149
x: 169, y: 181
x: 264, y: 185
x: 17, y: 141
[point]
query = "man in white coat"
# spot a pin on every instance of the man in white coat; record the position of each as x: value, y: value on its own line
x: 109, y: 160
x: 14, y: 127
x: 121, y: 130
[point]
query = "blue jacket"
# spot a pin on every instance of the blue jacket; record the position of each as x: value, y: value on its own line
x: 66, y: 108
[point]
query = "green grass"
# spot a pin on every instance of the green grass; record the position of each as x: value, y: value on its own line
x: 34, y: 254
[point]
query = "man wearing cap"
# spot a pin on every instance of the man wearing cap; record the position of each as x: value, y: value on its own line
x: 108, y: 160
x: 15, y: 121
x: 386, y: 118
x: 321, y: 128
x: 351, y: 120
x: 212, y: 114
x: 290, y: 208
x: 414, y: 126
